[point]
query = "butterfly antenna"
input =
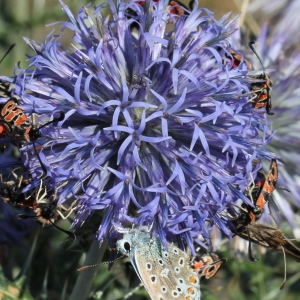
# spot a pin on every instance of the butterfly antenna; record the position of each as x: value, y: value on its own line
x: 91, y: 266
x: 110, y: 262
x: 9, y: 49
x: 86, y: 267
x: 251, y: 43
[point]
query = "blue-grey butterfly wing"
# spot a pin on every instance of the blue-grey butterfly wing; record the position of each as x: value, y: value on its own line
x: 165, y: 274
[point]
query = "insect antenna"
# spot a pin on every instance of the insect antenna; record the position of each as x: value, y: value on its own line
x: 92, y: 266
x: 69, y: 233
x: 9, y: 49
x: 251, y: 43
x: 110, y: 262
x: 34, y: 134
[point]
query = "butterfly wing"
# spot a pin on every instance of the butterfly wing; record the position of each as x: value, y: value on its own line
x: 211, y: 270
x: 207, y: 265
x: 271, y: 238
x: 165, y: 274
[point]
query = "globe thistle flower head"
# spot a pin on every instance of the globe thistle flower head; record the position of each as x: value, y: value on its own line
x: 159, y: 128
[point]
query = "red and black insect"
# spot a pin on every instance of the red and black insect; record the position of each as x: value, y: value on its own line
x: 236, y: 59
x: 262, y: 88
x: 46, y: 210
x: 17, y: 125
x: 207, y: 265
x: 46, y: 214
x: 176, y: 8
x: 260, y: 195
x: 4, y: 93
x: 262, y: 192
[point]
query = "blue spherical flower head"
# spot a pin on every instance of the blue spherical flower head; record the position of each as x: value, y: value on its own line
x: 159, y: 128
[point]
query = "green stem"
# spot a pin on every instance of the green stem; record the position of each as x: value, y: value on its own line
x: 86, y: 277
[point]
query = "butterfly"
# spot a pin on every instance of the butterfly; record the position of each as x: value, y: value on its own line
x: 166, y: 273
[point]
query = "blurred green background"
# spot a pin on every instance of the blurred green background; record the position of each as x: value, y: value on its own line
x: 52, y: 273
